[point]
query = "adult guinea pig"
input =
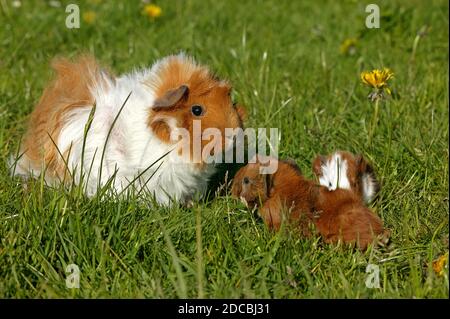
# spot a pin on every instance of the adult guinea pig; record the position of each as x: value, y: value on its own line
x: 94, y: 128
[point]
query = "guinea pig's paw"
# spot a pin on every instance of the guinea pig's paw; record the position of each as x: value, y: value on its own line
x: 189, y: 204
x: 383, y: 239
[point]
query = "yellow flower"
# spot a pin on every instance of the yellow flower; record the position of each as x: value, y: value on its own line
x: 348, y: 46
x: 89, y: 17
x: 152, y: 11
x: 440, y: 264
x: 378, y: 79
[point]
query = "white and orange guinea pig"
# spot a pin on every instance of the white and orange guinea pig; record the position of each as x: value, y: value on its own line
x: 68, y: 141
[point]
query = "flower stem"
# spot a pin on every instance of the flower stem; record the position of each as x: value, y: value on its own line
x: 374, y: 120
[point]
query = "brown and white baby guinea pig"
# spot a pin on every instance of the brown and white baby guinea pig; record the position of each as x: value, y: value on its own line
x: 283, y: 194
x: 345, y: 170
x: 338, y: 215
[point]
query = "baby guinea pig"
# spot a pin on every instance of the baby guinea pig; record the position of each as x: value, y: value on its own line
x: 338, y: 215
x: 284, y: 193
x: 342, y: 216
x: 347, y: 171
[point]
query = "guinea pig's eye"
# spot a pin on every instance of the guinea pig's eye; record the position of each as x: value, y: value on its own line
x: 197, y: 110
x: 245, y: 180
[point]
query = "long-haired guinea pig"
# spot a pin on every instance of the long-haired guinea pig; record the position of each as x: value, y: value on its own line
x: 135, y: 122
x: 347, y: 171
x: 283, y: 194
x: 338, y: 215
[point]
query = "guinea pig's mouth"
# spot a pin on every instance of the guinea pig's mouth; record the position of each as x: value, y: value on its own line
x: 249, y: 203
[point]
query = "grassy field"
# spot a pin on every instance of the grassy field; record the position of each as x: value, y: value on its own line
x: 287, y: 68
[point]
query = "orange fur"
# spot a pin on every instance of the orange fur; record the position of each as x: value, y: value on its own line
x: 338, y: 215
x: 162, y: 130
x: 205, y: 90
x: 69, y: 90
x: 343, y: 217
x: 285, y: 191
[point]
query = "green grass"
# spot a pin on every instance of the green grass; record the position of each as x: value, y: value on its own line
x: 304, y: 86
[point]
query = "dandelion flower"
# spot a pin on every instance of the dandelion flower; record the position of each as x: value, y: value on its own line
x: 89, y: 17
x: 377, y: 79
x: 152, y: 11
x: 348, y: 46
x: 440, y: 264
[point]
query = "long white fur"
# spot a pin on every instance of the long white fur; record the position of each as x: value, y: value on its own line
x: 334, y: 173
x: 369, y: 187
x: 131, y: 148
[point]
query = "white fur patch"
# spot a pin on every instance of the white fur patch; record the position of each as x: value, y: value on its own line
x: 131, y: 148
x: 334, y: 173
x: 368, y: 188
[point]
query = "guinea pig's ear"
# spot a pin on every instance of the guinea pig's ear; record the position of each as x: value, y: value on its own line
x: 318, y: 162
x: 171, y: 97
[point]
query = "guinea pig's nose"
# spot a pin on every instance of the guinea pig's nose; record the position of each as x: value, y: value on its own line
x: 246, y: 180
